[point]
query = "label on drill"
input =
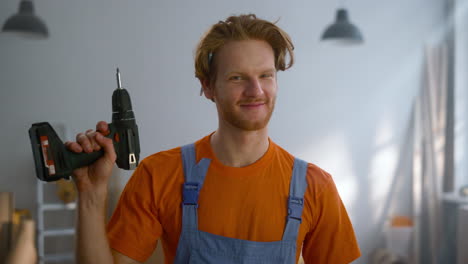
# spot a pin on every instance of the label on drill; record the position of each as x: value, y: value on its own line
x: 48, y: 159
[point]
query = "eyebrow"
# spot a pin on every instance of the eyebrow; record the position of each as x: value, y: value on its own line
x: 240, y: 72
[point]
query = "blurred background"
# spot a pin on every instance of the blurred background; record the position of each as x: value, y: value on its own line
x: 387, y: 117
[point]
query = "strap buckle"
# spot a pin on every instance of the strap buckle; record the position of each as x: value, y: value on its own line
x: 295, y: 206
x: 190, y: 192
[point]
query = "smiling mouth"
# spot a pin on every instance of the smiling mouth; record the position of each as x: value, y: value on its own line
x: 253, y: 105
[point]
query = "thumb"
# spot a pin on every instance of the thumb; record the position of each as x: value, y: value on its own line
x: 107, y: 145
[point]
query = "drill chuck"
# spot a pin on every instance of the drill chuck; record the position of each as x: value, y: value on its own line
x: 121, y: 103
x: 121, y: 106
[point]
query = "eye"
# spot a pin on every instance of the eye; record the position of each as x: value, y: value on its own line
x: 235, y: 78
x: 267, y: 75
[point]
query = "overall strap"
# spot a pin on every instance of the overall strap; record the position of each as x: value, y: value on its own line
x: 194, y: 175
x: 297, y: 189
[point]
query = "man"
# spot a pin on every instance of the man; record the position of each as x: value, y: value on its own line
x: 233, y: 196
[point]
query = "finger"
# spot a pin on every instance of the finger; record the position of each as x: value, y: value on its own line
x: 73, y: 146
x: 103, y: 127
x: 91, y: 134
x: 108, y: 146
x: 83, y: 140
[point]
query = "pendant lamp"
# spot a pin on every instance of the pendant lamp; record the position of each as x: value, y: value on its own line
x: 26, y: 23
x: 342, y: 31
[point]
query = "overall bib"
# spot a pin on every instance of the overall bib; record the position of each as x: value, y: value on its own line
x: 197, y: 247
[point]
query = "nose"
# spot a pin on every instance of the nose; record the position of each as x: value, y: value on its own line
x: 254, y: 88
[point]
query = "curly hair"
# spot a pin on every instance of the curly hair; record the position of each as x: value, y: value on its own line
x: 242, y: 27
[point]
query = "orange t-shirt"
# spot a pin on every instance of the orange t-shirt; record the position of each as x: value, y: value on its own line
x: 245, y: 203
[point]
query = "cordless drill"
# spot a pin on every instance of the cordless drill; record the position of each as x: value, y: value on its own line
x: 54, y: 161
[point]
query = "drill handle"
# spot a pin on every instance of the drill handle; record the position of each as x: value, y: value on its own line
x: 52, y: 159
x: 78, y: 160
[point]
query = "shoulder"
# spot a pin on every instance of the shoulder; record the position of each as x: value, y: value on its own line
x: 161, y: 165
x: 156, y: 173
x: 162, y: 157
x: 166, y: 162
x: 317, y: 178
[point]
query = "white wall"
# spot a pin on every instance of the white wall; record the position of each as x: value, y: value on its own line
x: 345, y: 109
x: 461, y: 94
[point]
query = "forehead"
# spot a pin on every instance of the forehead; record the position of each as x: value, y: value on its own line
x: 245, y: 56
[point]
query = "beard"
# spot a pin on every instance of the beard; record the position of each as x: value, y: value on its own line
x: 240, y: 119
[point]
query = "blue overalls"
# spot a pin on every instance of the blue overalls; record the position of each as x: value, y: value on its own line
x: 196, y: 246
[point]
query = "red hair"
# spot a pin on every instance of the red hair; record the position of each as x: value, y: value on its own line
x: 242, y: 27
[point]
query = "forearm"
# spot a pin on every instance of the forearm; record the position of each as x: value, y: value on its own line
x: 91, y: 240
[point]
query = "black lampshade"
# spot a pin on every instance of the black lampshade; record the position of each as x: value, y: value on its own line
x: 342, y: 31
x: 26, y: 22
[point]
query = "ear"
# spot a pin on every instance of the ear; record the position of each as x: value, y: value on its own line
x: 207, y: 89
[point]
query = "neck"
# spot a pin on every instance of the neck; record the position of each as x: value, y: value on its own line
x: 238, y: 148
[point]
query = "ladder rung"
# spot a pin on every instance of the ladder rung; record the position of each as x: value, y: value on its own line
x: 58, y: 232
x: 57, y: 206
x: 58, y: 257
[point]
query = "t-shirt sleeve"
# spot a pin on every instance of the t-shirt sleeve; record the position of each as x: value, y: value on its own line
x: 134, y: 228
x: 331, y: 237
